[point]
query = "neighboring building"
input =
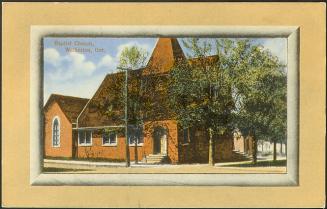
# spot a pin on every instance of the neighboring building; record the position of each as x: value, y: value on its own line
x: 267, y: 147
x: 99, y: 130
x: 244, y: 145
x: 60, y: 114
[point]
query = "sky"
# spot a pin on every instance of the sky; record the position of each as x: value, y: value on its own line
x: 80, y: 72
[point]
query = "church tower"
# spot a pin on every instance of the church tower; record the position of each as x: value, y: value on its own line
x: 166, y: 52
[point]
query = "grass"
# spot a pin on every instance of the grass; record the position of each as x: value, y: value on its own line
x: 266, y: 163
x: 53, y: 169
x: 86, y: 159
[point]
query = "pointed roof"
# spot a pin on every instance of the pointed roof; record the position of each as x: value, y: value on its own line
x: 110, y: 92
x: 165, y: 53
x: 71, y: 106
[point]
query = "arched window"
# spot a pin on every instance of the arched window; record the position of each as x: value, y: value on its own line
x: 56, y: 132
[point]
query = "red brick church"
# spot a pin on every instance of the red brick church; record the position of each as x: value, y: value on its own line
x: 75, y: 127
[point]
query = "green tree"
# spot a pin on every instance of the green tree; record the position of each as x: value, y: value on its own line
x: 259, y: 89
x: 243, y: 88
x: 278, y: 113
x: 200, y: 93
x: 133, y: 58
x: 125, y: 92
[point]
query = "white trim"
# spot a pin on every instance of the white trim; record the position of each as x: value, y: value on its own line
x: 97, y: 127
x: 138, y: 144
x: 85, y: 144
x: 133, y: 144
x: 53, y: 119
x: 110, y: 144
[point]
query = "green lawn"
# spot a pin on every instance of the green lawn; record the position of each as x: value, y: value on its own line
x: 53, y: 169
x: 86, y: 159
x: 267, y: 163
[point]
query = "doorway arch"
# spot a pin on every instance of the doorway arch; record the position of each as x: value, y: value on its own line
x: 160, y: 138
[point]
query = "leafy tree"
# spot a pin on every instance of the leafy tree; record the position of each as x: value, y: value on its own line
x: 278, y: 113
x: 133, y: 58
x: 243, y: 88
x: 128, y: 77
x: 259, y: 90
x: 200, y: 93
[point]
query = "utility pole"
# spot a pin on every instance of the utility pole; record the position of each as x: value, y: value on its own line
x: 128, y: 162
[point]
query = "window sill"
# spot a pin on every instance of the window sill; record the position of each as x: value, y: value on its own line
x: 85, y: 145
x: 109, y: 145
x: 56, y: 146
x: 139, y: 145
x: 185, y: 144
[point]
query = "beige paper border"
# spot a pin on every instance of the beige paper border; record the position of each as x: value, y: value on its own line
x: 18, y: 17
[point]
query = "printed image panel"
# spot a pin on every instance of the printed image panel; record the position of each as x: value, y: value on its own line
x: 164, y: 104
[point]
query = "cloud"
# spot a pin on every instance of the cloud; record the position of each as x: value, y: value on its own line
x: 108, y: 62
x: 278, y: 47
x: 52, y: 56
x: 78, y: 65
x: 84, y: 88
x: 75, y: 74
x: 130, y: 44
x: 66, y: 67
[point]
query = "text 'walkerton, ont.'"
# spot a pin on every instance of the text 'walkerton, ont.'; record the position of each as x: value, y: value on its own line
x: 79, y: 46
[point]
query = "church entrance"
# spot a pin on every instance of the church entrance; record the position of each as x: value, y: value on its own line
x: 160, y: 141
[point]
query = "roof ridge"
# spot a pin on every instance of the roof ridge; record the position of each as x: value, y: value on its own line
x: 215, y: 55
x: 61, y: 95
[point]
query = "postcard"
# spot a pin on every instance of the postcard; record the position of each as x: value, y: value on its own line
x: 163, y: 105
x: 174, y: 103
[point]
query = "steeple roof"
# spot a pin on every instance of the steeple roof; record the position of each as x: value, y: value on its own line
x: 165, y: 53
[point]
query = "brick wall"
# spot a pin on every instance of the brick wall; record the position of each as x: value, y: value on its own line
x: 244, y: 144
x: 249, y: 145
x: 172, y: 143
x: 239, y: 144
x: 112, y: 152
x: 65, y: 149
x: 197, y: 150
x: 224, y: 149
x: 117, y: 152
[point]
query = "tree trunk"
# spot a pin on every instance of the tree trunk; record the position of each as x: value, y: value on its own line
x: 285, y: 148
x: 275, y: 151
x: 281, y: 148
x: 211, y: 147
x: 128, y: 161
x: 254, y: 148
x: 135, y: 151
x: 263, y: 142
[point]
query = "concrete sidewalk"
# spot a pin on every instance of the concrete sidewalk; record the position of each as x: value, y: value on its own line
x: 62, y: 166
x: 140, y: 164
x: 108, y: 164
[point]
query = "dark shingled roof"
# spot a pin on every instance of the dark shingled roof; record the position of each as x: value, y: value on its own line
x: 165, y: 54
x: 71, y: 106
x: 110, y: 92
x: 94, y: 113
